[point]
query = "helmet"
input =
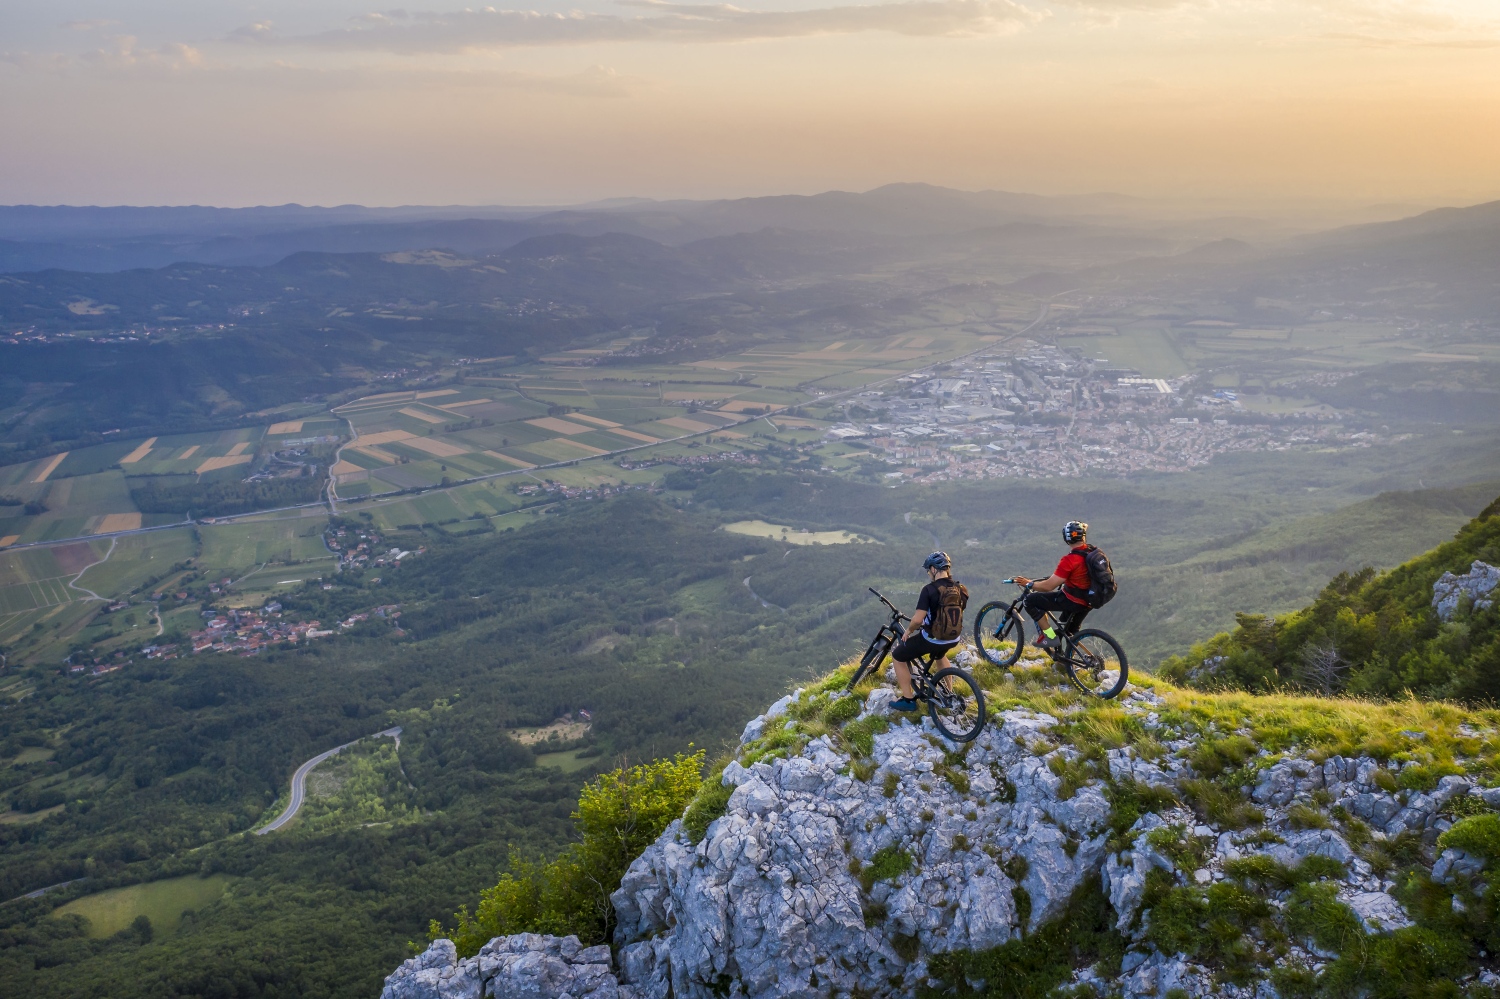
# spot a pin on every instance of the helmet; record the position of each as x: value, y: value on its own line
x: 1075, y: 532
x: 938, y: 561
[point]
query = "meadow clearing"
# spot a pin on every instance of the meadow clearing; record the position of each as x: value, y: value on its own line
x: 162, y: 902
x: 796, y: 535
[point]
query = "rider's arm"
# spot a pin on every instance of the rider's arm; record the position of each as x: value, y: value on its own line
x: 1047, y: 585
x: 918, y: 618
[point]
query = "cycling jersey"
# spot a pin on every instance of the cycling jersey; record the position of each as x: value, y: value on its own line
x: 1074, y: 570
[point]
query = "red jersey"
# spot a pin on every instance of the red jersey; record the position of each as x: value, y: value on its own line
x: 1074, y: 571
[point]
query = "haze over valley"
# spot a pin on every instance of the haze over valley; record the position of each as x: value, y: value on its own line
x: 380, y: 574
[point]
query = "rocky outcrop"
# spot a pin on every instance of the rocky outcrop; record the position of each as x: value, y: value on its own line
x: 842, y: 868
x: 1474, y: 587
x: 524, y: 966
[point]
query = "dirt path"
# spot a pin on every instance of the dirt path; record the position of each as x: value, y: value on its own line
x: 73, y: 583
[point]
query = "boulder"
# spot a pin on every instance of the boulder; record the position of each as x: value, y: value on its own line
x: 1475, y: 586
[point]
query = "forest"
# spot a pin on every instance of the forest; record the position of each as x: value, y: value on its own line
x: 163, y: 770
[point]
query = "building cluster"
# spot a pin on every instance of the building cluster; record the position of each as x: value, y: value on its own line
x: 359, y: 548
x: 549, y: 488
x: 249, y: 631
x: 1044, y: 413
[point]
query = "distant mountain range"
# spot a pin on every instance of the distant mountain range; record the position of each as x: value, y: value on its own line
x: 34, y: 238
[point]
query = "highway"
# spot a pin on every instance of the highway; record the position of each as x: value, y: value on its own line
x: 299, y: 779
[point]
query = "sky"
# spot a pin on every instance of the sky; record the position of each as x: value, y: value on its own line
x: 334, y: 102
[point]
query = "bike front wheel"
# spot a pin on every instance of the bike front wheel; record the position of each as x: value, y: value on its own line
x: 871, y: 660
x: 956, y: 704
x: 999, y: 634
x: 1096, y: 664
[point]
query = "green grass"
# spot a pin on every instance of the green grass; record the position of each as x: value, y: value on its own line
x: 238, y: 546
x: 139, y: 557
x: 568, y: 762
x: 163, y: 902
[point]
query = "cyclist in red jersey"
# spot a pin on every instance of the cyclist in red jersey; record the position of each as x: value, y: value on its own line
x: 1062, y: 593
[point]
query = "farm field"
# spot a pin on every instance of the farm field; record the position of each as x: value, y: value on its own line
x: 234, y: 549
x: 1151, y: 349
x: 551, y: 414
x: 162, y: 902
x: 89, y: 490
x: 796, y: 535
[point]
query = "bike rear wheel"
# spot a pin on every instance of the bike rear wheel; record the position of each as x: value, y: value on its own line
x: 995, y: 625
x: 1095, y: 663
x: 956, y: 704
x: 872, y: 659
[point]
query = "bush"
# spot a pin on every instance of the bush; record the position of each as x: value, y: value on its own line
x: 1032, y: 966
x: 1477, y: 834
x: 619, y: 814
x: 711, y: 801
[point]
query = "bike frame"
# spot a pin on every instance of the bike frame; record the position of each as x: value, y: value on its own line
x: 921, y: 667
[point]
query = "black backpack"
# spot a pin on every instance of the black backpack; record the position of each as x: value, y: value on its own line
x: 1102, y: 585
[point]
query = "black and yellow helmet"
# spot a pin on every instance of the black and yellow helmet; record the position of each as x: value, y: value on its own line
x: 1075, y: 532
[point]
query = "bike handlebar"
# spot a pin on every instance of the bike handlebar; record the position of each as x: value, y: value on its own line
x: 894, y: 609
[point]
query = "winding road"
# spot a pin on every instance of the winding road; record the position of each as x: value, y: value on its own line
x: 299, y: 779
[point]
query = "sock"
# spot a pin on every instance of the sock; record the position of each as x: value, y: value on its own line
x: 1050, y: 633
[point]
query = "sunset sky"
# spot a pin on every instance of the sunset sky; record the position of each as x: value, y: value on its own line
x: 328, y: 102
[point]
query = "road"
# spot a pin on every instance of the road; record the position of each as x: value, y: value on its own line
x: 299, y: 779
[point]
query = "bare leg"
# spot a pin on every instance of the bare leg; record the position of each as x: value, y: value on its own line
x: 903, y: 678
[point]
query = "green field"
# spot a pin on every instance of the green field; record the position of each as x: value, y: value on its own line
x: 138, y: 557
x: 162, y: 902
x: 239, y: 546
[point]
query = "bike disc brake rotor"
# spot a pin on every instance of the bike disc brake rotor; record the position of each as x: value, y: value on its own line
x: 952, y: 705
x: 1089, y: 668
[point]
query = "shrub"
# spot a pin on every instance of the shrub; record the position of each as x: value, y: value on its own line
x: 1314, y: 912
x: 861, y: 734
x: 1221, y: 805
x: 1212, y: 925
x: 619, y: 814
x: 1477, y: 834
x: 890, y: 862
x: 1261, y: 869
x: 1216, y: 756
x: 1032, y: 966
x: 711, y: 801
x: 1303, y: 817
x: 843, y: 710
x: 1129, y: 800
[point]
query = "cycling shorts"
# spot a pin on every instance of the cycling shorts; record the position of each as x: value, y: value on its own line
x: 920, y: 645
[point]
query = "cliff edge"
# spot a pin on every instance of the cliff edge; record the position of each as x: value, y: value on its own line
x: 1174, y: 843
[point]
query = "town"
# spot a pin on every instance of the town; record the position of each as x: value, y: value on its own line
x: 1045, y: 413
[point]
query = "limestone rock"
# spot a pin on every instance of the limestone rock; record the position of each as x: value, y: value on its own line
x: 524, y: 966
x: 815, y: 882
x: 1475, y: 586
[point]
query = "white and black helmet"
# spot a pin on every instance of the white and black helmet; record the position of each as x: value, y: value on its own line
x: 1075, y: 531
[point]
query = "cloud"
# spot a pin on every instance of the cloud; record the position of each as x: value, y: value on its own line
x: 89, y: 24
x: 594, y: 82
x: 1377, y: 41
x: 125, y: 52
x: 456, y: 31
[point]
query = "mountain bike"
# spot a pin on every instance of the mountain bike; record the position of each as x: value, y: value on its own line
x: 1091, y: 658
x: 954, y: 701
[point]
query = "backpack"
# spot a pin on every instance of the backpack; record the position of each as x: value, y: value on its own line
x: 946, y: 623
x: 1102, y: 585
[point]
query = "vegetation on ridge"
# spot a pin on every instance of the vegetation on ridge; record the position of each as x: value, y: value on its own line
x: 1368, y: 634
